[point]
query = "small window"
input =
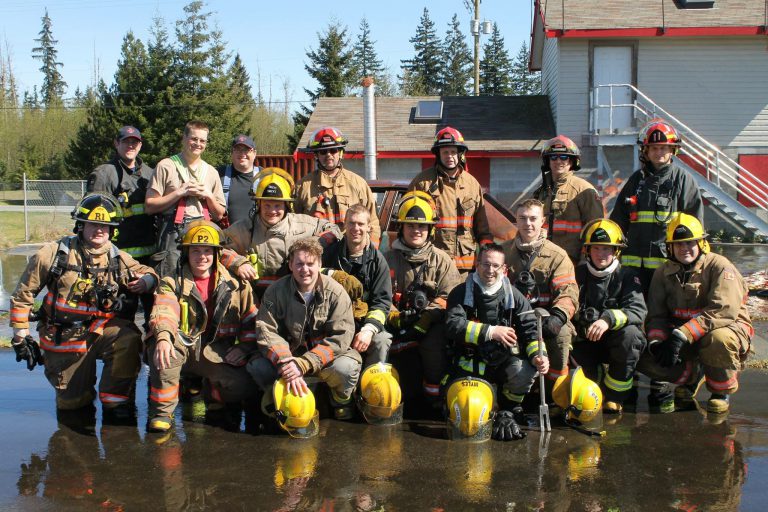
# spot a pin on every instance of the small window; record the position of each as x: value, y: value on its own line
x: 696, y: 4
x: 429, y: 111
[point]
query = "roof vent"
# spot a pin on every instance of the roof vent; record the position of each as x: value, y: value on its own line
x: 695, y: 4
x: 428, y: 111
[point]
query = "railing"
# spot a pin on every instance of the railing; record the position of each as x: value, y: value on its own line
x: 718, y: 167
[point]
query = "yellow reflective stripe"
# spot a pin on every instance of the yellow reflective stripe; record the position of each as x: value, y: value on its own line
x: 468, y: 366
x: 636, y: 261
x: 620, y: 318
x: 378, y: 315
x: 472, y: 333
x: 135, y: 209
x: 650, y: 217
x: 533, y: 349
x: 512, y: 396
x: 138, y: 252
x: 617, y: 385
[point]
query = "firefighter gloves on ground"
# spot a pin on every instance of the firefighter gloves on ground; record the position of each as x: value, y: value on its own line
x: 505, y: 428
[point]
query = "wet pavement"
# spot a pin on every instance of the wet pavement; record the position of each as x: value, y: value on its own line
x: 680, y: 461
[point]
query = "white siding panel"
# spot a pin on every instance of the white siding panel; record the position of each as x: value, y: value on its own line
x: 550, y: 73
x: 510, y: 176
x: 572, y: 118
x: 717, y: 87
x: 396, y: 168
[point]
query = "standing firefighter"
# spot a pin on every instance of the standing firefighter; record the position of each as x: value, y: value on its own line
x: 611, y: 313
x: 203, y: 323
x: 257, y: 248
x: 330, y: 190
x: 544, y: 273
x: 697, y: 314
x: 305, y: 328
x: 89, y: 283
x: 569, y: 201
x: 422, y: 278
x: 651, y: 197
x: 494, y: 338
x: 461, y: 220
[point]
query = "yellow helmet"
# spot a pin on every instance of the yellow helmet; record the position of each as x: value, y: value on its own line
x: 274, y: 184
x: 380, y: 395
x: 583, y: 461
x: 470, y: 409
x: 295, y: 414
x: 417, y: 207
x: 603, y: 232
x: 580, y: 398
x: 295, y: 461
x: 202, y: 232
x: 685, y: 228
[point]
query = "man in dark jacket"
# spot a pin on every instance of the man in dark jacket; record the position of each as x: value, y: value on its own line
x: 237, y: 179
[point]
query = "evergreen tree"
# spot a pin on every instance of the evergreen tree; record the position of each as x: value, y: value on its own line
x: 331, y: 65
x: 523, y: 81
x: 495, y: 67
x: 367, y: 63
x: 458, y: 61
x: 53, y: 83
x: 423, y: 73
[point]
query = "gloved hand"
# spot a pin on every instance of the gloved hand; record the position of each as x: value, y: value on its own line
x: 551, y: 325
x: 350, y: 283
x: 28, y: 350
x: 402, y: 319
x: 505, y: 428
x: 669, y: 352
x: 359, y: 309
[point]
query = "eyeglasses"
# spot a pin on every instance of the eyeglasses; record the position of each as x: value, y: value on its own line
x: 332, y: 151
x: 492, y: 266
x: 241, y: 149
x: 198, y: 140
x: 559, y: 157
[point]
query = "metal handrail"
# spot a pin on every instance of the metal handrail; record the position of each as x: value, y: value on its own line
x: 718, y: 165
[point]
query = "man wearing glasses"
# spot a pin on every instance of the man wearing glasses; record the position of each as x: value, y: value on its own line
x: 569, y: 201
x: 237, y: 179
x: 330, y: 190
x: 183, y: 188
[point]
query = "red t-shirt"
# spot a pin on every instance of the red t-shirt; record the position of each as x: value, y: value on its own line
x: 205, y: 286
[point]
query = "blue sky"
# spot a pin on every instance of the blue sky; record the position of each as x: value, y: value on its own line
x: 271, y: 37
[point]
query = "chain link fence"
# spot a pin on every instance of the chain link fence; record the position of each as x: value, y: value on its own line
x: 47, y: 205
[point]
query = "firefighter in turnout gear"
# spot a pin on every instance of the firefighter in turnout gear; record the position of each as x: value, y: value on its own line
x: 203, y: 323
x: 697, y: 314
x: 422, y: 278
x: 492, y: 336
x: 305, y: 328
x: 651, y: 197
x: 569, y: 202
x: 544, y: 273
x: 462, y: 222
x: 90, y: 283
x: 329, y: 191
x: 611, y: 314
x: 257, y: 248
x: 356, y: 255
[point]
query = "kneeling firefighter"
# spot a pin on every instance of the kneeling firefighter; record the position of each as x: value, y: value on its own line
x: 203, y: 323
x: 493, y: 337
x: 610, y: 315
x: 90, y: 285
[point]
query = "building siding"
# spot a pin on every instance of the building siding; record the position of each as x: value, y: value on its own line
x: 572, y: 117
x: 510, y: 176
x: 550, y: 74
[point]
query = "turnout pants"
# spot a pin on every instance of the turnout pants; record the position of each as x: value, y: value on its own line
x: 73, y: 373
x: 378, y: 350
x: 558, y: 349
x: 224, y: 383
x: 513, y: 378
x: 619, y: 349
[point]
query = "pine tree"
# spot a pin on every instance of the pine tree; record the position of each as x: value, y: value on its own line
x: 523, y: 81
x: 458, y: 61
x: 331, y: 65
x: 423, y: 73
x: 367, y: 63
x: 495, y: 67
x: 53, y: 83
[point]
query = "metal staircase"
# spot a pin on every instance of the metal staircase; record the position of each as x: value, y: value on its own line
x: 722, y: 181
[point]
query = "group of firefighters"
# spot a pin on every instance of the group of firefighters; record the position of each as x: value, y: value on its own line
x: 256, y: 289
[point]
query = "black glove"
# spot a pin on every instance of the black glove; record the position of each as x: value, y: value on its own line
x: 669, y: 352
x: 551, y: 325
x: 505, y: 428
x: 28, y: 350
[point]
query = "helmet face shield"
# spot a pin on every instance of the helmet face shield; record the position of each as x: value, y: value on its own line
x: 295, y: 414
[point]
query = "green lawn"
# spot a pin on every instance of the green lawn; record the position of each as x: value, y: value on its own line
x: 43, y: 226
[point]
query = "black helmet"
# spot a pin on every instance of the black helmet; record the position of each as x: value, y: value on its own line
x: 98, y: 209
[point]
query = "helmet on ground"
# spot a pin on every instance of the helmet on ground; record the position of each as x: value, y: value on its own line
x: 295, y: 414
x: 273, y: 184
x: 202, y: 233
x: 562, y: 145
x: 380, y: 396
x: 98, y: 209
x: 580, y: 398
x: 603, y: 232
x: 448, y: 137
x: 326, y: 137
x: 470, y: 409
x: 658, y: 131
x: 417, y: 207
x: 685, y: 228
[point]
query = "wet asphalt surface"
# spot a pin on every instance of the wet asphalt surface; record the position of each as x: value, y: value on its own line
x: 681, y: 461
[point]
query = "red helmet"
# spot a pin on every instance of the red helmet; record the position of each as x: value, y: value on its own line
x: 562, y: 145
x: 448, y: 137
x: 326, y: 137
x: 658, y: 131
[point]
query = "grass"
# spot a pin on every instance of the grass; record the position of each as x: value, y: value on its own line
x: 43, y: 226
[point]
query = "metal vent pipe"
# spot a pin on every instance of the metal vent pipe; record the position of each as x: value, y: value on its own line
x: 369, y: 128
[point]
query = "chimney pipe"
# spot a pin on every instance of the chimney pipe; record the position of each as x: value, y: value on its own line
x: 369, y: 128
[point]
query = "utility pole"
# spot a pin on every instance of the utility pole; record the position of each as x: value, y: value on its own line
x: 476, y: 33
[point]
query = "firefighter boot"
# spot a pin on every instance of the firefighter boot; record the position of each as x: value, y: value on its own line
x: 660, y: 401
x: 160, y: 424
x: 119, y: 414
x: 342, y: 409
x: 718, y: 403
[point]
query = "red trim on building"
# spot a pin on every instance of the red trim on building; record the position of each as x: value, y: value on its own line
x: 359, y: 155
x: 656, y: 32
